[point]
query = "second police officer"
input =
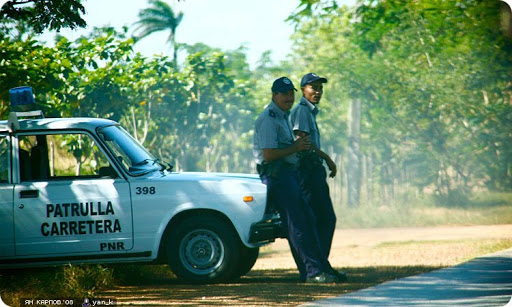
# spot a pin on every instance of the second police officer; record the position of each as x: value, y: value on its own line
x: 275, y: 151
x: 312, y: 173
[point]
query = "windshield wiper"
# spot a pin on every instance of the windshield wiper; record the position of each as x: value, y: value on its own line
x: 141, y: 168
x: 164, y: 166
x: 145, y: 161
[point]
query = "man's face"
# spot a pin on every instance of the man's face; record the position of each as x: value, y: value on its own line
x: 284, y: 100
x: 313, y: 91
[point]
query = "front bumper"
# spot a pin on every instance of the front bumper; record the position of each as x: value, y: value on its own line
x: 267, y: 230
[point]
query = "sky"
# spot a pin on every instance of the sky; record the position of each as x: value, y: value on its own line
x: 227, y: 24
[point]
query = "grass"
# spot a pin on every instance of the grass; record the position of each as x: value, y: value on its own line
x: 80, y: 281
x: 480, y: 209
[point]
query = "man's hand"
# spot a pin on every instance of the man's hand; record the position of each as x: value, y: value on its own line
x: 332, y: 168
x: 302, y: 143
x: 272, y: 154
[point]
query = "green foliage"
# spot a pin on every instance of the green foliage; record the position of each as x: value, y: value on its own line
x: 200, y: 115
x: 433, y: 78
x: 45, y: 14
x: 307, y: 8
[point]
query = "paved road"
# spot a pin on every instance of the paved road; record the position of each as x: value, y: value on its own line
x: 484, y: 281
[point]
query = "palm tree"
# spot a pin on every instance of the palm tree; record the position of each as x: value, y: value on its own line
x: 159, y: 17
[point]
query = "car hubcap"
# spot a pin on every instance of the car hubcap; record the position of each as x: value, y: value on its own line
x: 201, y: 251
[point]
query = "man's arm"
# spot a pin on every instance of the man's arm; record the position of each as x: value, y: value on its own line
x: 330, y: 163
x: 272, y: 154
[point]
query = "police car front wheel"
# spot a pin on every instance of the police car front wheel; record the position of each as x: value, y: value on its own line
x: 248, y: 257
x: 203, y: 249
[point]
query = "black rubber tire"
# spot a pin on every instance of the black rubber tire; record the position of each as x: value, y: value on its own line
x: 248, y: 257
x: 203, y: 249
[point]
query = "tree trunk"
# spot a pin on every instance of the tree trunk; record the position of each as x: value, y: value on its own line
x: 506, y: 18
x: 354, y: 163
x: 369, y: 182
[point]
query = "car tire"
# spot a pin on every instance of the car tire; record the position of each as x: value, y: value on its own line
x: 248, y: 257
x: 203, y: 249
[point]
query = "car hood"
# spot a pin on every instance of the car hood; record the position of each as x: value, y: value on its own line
x: 221, y: 175
x: 201, y: 176
x: 201, y: 187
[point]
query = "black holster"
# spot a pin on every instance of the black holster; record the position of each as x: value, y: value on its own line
x: 271, y: 169
x: 308, y: 160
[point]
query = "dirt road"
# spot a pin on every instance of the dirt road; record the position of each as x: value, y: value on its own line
x: 369, y: 256
x: 394, y: 246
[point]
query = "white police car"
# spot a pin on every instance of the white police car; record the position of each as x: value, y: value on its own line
x: 82, y: 190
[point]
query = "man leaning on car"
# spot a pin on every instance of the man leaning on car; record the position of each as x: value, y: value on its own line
x: 275, y: 151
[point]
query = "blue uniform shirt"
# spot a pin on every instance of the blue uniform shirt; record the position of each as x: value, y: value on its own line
x: 273, y: 130
x: 304, y: 119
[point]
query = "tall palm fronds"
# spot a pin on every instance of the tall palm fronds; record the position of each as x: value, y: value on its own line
x: 159, y: 17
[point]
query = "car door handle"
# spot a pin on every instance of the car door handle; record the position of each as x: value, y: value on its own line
x: 29, y: 194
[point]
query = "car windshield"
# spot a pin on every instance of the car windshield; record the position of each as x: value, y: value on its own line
x: 129, y: 153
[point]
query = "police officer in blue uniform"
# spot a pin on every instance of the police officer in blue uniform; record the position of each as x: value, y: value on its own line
x: 313, y: 175
x: 275, y: 150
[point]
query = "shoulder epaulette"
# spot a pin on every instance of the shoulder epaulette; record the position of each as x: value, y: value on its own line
x: 271, y: 113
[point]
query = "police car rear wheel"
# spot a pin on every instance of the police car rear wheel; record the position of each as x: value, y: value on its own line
x: 203, y: 249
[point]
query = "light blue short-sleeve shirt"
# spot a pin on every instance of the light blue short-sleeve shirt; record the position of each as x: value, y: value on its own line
x: 303, y: 118
x: 272, y: 130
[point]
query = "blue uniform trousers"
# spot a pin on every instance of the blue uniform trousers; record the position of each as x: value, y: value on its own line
x: 284, y: 192
x: 316, y: 191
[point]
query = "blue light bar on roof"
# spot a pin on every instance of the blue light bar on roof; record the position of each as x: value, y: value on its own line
x: 22, y: 98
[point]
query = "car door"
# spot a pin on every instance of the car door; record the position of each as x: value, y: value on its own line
x: 69, y: 199
x: 6, y: 197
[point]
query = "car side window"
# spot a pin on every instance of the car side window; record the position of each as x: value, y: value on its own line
x: 4, y: 159
x: 62, y: 156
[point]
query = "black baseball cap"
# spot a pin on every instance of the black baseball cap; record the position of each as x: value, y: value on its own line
x: 310, y: 78
x: 282, y: 85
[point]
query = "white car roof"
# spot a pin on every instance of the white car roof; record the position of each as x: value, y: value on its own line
x: 82, y: 123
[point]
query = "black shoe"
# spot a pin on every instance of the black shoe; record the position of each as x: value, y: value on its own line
x: 342, y: 276
x: 322, y: 278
